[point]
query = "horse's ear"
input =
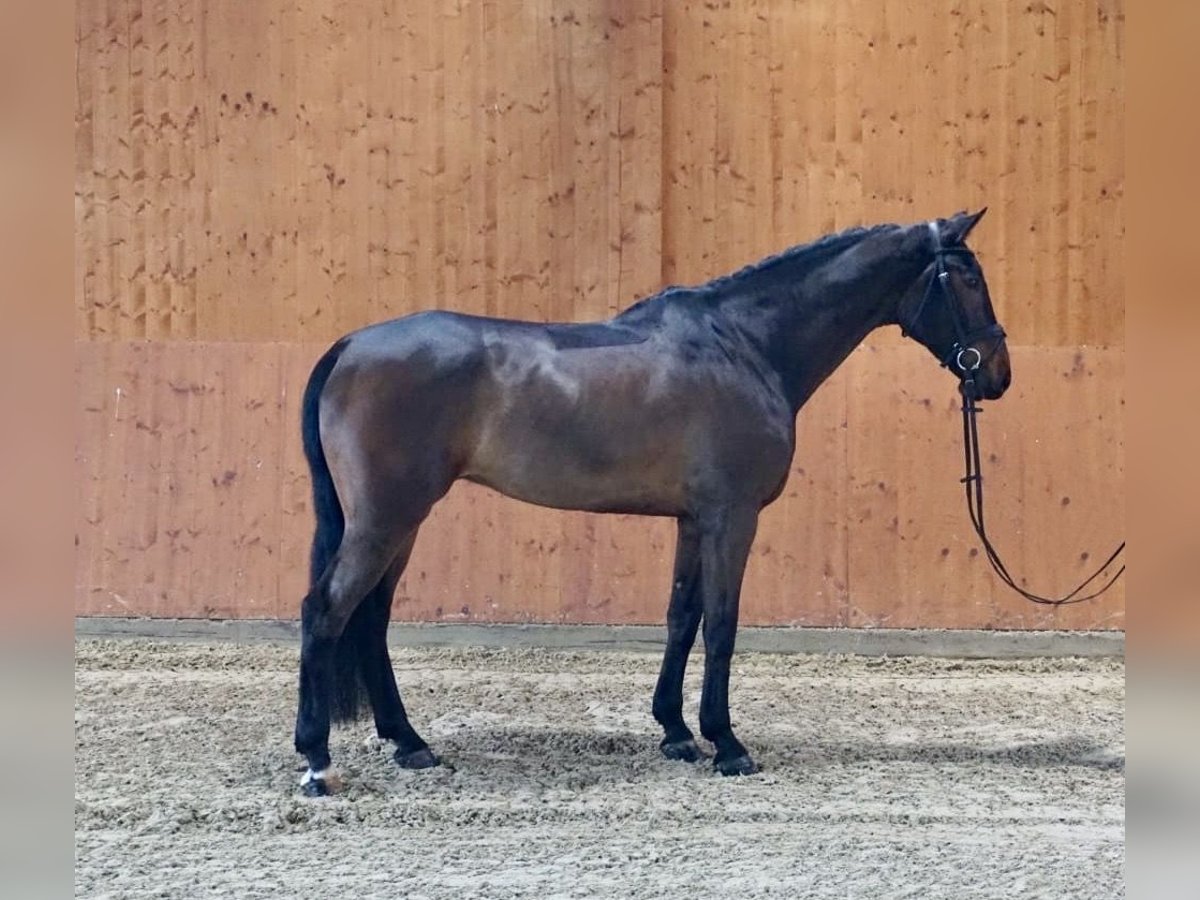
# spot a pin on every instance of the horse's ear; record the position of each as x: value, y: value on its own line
x: 957, y: 227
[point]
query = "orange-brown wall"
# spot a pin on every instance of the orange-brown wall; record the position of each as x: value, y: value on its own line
x: 255, y: 179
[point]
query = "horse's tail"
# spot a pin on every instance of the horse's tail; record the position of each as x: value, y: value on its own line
x: 347, y: 699
x: 326, y: 506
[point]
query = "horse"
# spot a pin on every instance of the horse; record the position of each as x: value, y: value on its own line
x: 683, y: 405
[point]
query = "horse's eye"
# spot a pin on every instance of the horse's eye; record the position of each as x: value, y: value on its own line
x: 972, y: 282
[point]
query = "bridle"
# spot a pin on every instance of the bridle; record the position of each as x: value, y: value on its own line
x: 972, y: 480
x: 963, y: 353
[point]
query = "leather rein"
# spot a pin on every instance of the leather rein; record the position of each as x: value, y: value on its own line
x: 967, y: 359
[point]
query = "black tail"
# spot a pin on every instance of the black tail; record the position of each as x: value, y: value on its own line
x: 326, y: 506
x: 347, y: 700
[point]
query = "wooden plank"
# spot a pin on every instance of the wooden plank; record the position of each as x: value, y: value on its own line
x: 137, y: 126
x: 89, y: 32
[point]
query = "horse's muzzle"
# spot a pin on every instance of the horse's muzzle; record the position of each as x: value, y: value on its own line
x: 990, y: 380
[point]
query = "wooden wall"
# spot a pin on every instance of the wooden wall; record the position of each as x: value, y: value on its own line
x: 255, y: 179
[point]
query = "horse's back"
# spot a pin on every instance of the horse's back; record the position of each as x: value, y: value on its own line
x: 448, y: 336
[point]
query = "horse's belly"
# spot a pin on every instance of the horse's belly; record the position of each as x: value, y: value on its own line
x: 575, y: 460
x: 562, y: 488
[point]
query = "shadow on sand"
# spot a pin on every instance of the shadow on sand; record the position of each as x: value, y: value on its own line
x: 560, y: 749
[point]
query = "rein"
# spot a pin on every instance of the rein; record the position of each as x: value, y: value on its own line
x: 960, y: 356
x: 973, y: 482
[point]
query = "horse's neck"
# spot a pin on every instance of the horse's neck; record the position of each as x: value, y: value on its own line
x: 814, y: 321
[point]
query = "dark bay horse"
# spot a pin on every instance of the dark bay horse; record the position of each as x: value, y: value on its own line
x: 684, y: 405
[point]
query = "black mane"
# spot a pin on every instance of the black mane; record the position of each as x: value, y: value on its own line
x: 803, y: 255
x: 798, y: 259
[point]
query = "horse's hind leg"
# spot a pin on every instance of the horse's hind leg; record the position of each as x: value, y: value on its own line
x: 683, y: 619
x: 391, y: 719
x: 360, y: 562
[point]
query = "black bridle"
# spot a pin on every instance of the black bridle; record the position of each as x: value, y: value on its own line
x: 959, y: 353
x: 973, y: 477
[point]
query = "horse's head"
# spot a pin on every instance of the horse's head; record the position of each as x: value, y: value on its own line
x: 949, y: 311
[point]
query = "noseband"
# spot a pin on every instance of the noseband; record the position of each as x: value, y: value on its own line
x: 965, y: 356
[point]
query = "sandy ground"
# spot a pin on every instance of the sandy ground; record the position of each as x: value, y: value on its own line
x: 882, y: 778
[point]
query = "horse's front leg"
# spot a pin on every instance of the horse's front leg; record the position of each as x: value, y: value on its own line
x: 724, y: 547
x: 683, y: 620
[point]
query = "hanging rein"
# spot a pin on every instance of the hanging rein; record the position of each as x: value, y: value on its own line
x: 966, y: 359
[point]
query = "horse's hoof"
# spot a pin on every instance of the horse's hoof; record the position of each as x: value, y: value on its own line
x: 684, y: 751
x: 742, y: 765
x: 315, y: 788
x: 320, y: 784
x: 417, y: 759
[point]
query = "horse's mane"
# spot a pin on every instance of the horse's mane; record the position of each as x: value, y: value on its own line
x: 802, y: 255
x: 798, y: 259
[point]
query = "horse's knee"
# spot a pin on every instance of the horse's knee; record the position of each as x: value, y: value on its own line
x: 318, y: 624
x: 323, y: 616
x: 718, y: 645
x: 314, y: 624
